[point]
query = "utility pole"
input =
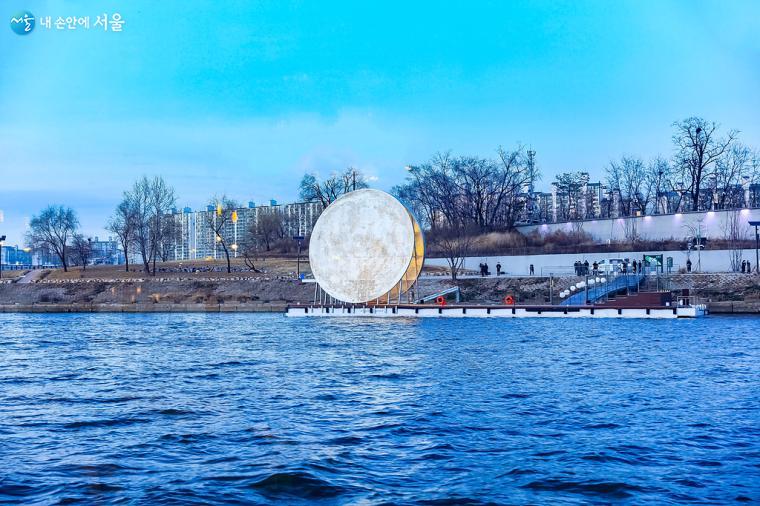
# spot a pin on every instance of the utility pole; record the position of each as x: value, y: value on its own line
x: 2, y: 239
x: 531, y: 175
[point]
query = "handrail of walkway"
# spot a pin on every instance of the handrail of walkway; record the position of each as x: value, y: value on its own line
x: 601, y: 290
x: 455, y: 290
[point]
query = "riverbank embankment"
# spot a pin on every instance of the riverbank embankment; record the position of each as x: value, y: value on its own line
x: 724, y: 293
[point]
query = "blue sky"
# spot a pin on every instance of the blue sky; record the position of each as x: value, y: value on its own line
x: 243, y: 97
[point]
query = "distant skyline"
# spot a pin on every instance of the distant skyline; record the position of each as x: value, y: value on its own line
x: 243, y: 99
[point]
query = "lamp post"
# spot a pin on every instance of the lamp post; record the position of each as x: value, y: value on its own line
x: 586, y: 287
x: 756, y: 224
x: 2, y: 239
x: 234, y: 224
x: 299, y: 239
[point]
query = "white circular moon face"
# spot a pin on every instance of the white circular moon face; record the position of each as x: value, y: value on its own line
x: 361, y: 246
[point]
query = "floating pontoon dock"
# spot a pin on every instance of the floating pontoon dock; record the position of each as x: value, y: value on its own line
x: 481, y: 311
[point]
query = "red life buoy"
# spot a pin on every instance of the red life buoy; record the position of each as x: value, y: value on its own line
x: 440, y: 300
x: 509, y: 300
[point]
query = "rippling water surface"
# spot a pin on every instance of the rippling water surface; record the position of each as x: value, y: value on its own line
x: 224, y: 408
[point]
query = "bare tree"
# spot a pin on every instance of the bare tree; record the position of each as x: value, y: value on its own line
x: 474, y: 177
x: 657, y: 176
x: 631, y: 230
x: 695, y: 239
x: 455, y: 243
x: 698, y: 148
x: 730, y: 170
x: 568, y: 186
x: 51, y: 230
x: 516, y: 174
x: 81, y: 248
x: 169, y: 237
x: 152, y: 201
x: 162, y: 201
x: 269, y: 228
x: 123, y: 224
x: 630, y: 177
x: 432, y: 192
x: 735, y: 232
x: 221, y: 223
x: 250, y: 247
x: 140, y: 198
x: 328, y: 190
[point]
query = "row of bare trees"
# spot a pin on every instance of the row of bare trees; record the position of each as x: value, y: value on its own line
x: 327, y: 190
x: 459, y: 197
x: 468, y: 192
x: 146, y: 227
x: 707, y: 171
x: 54, y: 232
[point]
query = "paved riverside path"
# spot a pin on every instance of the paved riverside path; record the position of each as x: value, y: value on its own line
x: 32, y: 276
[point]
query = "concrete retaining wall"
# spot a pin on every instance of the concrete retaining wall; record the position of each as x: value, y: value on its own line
x: 711, y: 260
x: 735, y: 307
x: 655, y: 228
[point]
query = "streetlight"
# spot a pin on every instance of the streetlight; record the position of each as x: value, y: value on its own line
x: 2, y: 239
x: 299, y: 239
x: 756, y: 224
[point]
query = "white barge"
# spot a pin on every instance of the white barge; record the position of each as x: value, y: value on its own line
x: 478, y: 311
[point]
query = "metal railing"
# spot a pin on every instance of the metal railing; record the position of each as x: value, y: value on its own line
x: 598, y: 291
x: 455, y: 290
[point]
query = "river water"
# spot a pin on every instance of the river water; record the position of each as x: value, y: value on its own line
x: 250, y: 409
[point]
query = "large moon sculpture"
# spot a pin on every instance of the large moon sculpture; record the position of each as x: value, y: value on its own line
x: 366, y: 246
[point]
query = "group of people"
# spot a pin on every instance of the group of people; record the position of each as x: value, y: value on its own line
x: 485, y: 272
x: 585, y: 269
x: 746, y: 266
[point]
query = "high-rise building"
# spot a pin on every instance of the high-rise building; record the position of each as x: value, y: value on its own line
x: 106, y: 251
x: 13, y: 255
x: 193, y: 232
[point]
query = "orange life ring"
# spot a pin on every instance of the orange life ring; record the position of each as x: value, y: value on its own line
x: 440, y: 300
x: 509, y: 300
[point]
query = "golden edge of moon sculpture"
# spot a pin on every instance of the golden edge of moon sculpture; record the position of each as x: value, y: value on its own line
x: 364, y: 246
x: 415, y: 266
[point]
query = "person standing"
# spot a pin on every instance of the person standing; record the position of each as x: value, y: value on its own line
x: 532, y: 271
x: 688, y: 265
x: 498, y: 268
x: 744, y: 266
